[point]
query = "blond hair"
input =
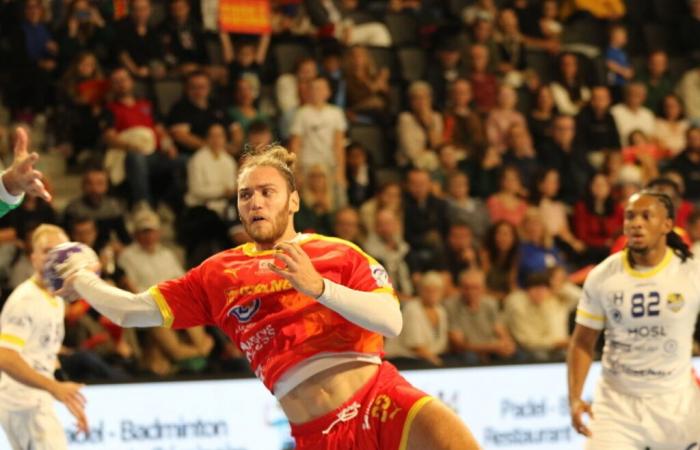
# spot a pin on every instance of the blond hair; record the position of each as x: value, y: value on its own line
x: 273, y: 155
x: 46, y: 229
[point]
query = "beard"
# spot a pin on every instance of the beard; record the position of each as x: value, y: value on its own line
x: 270, y: 231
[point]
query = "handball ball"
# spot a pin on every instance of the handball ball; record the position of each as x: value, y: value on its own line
x: 64, y: 259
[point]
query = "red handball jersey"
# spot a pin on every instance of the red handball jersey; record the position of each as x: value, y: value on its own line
x: 275, y: 326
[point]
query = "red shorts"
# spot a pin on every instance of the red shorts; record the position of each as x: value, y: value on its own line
x: 377, y: 417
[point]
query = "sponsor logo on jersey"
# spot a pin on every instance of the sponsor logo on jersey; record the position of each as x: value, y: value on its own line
x: 253, y: 344
x: 652, y: 332
x: 616, y: 298
x: 258, y: 289
x: 616, y: 315
x: 380, y: 276
x: 675, y: 301
x: 671, y: 346
x: 244, y: 313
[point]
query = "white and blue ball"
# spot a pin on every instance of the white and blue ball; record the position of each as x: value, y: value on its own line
x: 64, y: 260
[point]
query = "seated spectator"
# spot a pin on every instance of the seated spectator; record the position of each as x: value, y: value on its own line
x: 425, y: 326
x: 360, y: 174
x: 318, y: 135
x: 483, y: 80
x: 480, y: 10
x: 332, y: 69
x: 671, y: 126
x: 511, y: 47
x: 688, y: 91
x: 191, y: 117
x: 346, y: 225
x: 385, y: 243
x: 596, y: 130
x: 344, y: 26
x: 259, y: 134
x: 690, y: 30
x: 95, y: 204
x: 84, y: 30
x: 449, y: 161
x: 598, y: 218
x: 138, y: 46
x: 657, y: 80
x: 245, y: 57
x: 320, y: 199
x: 550, y: 25
x: 461, y: 250
x: 538, y: 251
x: 288, y: 84
x: 632, y: 114
x: 444, y: 69
x: 499, y: 258
x: 477, y: 331
x: 462, y: 208
x: 502, y: 118
x: 463, y: 127
x: 508, y: 204
x: 367, y: 85
x: 243, y: 113
x: 419, y: 130
x: 671, y: 183
x: 569, y: 89
x: 131, y: 127
x: 620, y: 69
x: 644, y: 153
x: 540, y: 119
x: 534, y: 318
x: 521, y: 153
x: 389, y: 197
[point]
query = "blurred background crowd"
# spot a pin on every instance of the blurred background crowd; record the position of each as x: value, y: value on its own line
x: 482, y: 150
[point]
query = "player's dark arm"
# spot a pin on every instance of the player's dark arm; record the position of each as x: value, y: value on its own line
x: 578, y: 362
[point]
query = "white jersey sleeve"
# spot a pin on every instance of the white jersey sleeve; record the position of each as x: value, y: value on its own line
x: 15, y: 326
x: 590, y: 312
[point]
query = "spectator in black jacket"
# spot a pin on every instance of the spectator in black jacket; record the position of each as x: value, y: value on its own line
x: 688, y: 165
x: 595, y: 126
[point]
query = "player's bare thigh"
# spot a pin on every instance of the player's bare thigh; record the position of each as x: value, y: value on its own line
x: 436, y: 427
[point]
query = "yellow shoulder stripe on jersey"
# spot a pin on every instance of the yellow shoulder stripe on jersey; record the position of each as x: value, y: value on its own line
x: 649, y: 273
x: 12, y: 339
x: 353, y: 246
x: 163, y: 306
x: 249, y: 249
x: 412, y: 413
x: 587, y: 315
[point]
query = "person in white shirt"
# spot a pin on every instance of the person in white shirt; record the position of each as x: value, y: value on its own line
x: 632, y: 114
x: 647, y: 300
x: 31, y: 335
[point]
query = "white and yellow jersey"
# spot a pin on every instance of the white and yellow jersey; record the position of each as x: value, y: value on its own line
x: 31, y: 323
x: 649, y: 318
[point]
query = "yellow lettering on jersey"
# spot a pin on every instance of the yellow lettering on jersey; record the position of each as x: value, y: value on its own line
x: 259, y: 288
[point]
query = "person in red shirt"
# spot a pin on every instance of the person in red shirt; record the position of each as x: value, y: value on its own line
x: 308, y: 311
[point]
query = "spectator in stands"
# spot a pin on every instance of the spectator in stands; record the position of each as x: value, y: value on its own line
x: 131, y: 126
x: 84, y: 30
x: 346, y: 225
x: 424, y: 335
x: 540, y: 118
x: 147, y: 262
x: 671, y: 126
x: 565, y: 155
x: 595, y: 126
x: 484, y: 82
x: 361, y: 176
x: 94, y: 203
x: 243, y: 112
x: 632, y: 114
x: 138, y: 46
x: 34, y: 61
x: 389, y: 197
x: 444, y: 69
x: 245, y: 57
x: 318, y: 134
x: 463, y: 126
x: 687, y: 163
x: 385, y: 243
x: 476, y: 326
x: 332, y: 69
x: 499, y: 258
x: 508, y: 204
x: 511, y: 48
x: 569, y: 89
x: 419, y: 130
x: 481, y: 10
x: 192, y: 116
x: 538, y: 251
x: 463, y: 208
x: 259, y: 134
x: 461, y: 250
x: 521, y: 153
x: 690, y: 30
x: 656, y: 79
x: 532, y: 317
x: 598, y: 218
x: 672, y: 184
x: 367, y: 85
x: 425, y: 222
x: 320, y: 199
x: 288, y: 84
x: 503, y: 117
x: 344, y: 25
x: 620, y: 70
x: 687, y: 89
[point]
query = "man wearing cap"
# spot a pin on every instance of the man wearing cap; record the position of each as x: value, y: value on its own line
x: 146, y: 261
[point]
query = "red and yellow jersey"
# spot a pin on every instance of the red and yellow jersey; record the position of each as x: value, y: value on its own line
x: 276, y: 326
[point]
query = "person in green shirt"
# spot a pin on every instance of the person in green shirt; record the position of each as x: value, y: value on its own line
x: 21, y: 177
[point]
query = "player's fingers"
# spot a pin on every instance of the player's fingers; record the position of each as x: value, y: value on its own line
x: 21, y: 143
x: 289, y: 263
x: 279, y: 271
x: 288, y: 249
x: 24, y: 163
x: 589, y: 409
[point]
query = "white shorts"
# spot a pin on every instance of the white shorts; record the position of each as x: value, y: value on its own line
x: 36, y: 429
x: 663, y: 422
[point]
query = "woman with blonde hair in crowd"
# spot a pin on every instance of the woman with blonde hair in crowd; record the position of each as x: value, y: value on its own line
x: 388, y: 196
x: 419, y: 130
x: 367, y: 85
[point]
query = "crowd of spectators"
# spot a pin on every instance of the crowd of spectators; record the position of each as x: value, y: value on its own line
x: 482, y: 150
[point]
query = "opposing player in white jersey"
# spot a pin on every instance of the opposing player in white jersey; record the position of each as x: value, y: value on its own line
x: 647, y: 299
x: 31, y: 334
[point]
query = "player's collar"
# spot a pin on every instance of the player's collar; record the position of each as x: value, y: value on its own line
x: 647, y: 273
